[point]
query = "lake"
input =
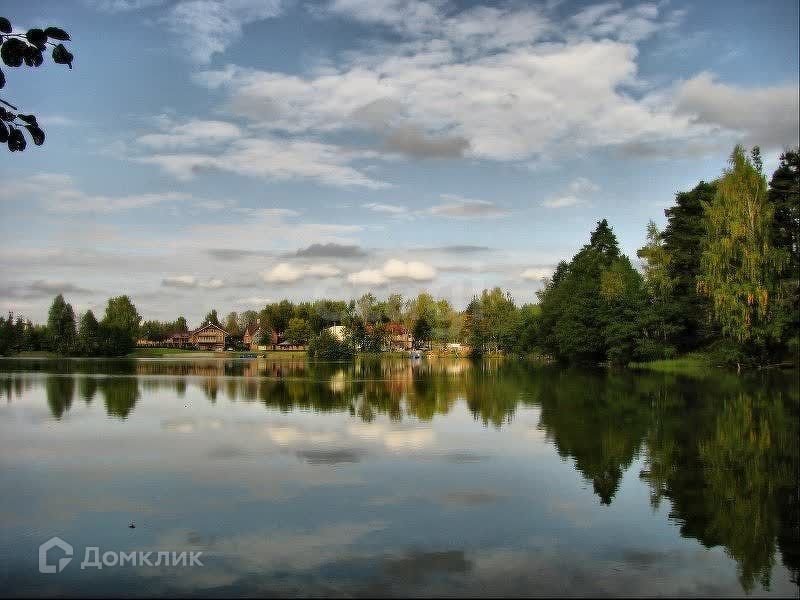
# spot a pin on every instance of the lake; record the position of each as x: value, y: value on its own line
x: 394, y: 477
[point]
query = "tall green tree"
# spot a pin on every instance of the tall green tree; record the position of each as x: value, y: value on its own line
x: 739, y: 265
x: 61, y: 326
x: 298, y: 331
x: 590, y: 306
x: 212, y: 318
x: 784, y: 195
x: 122, y: 314
x: 232, y: 324
x: 658, y: 331
x: 683, y: 239
x: 89, y: 335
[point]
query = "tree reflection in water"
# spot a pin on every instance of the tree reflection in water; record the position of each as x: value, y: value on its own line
x: 722, y: 449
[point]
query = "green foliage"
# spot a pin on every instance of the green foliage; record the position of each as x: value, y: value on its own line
x: 298, y: 331
x: 212, y: 318
x: 784, y: 195
x: 739, y: 265
x: 422, y: 330
x: 326, y: 346
x: 26, y: 48
x: 590, y: 307
x: 490, y: 323
x: 61, y: 327
x: 686, y: 311
x: 89, y: 337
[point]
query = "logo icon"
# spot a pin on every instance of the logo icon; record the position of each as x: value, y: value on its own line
x: 55, y: 542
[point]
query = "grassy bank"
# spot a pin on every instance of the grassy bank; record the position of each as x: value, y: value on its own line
x: 156, y: 352
x: 692, y: 363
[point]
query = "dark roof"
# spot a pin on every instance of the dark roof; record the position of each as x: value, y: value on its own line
x: 207, y: 325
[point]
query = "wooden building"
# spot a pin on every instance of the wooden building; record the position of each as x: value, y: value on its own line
x: 179, y: 339
x: 209, y: 337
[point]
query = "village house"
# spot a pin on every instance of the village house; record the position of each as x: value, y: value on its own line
x: 209, y: 337
x: 179, y: 339
x: 252, y: 336
x: 399, y: 338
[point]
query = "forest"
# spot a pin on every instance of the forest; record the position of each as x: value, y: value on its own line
x: 722, y: 278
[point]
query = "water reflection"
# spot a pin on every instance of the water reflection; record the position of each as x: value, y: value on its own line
x: 721, y: 451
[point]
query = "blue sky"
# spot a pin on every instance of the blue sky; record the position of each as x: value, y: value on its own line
x: 224, y: 154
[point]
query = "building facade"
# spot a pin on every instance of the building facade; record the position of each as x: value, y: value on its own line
x: 209, y: 337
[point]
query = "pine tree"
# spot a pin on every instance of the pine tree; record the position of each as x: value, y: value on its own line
x: 61, y: 326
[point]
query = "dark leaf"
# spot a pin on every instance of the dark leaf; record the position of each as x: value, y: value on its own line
x: 36, y: 134
x: 16, y: 141
x: 30, y: 119
x: 33, y: 56
x: 57, y: 34
x: 3, y: 133
x: 62, y: 56
x: 13, y: 51
x: 5, y: 25
x: 7, y: 115
x: 37, y: 37
x: 2, y: 79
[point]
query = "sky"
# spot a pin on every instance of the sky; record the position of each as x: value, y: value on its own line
x: 224, y: 154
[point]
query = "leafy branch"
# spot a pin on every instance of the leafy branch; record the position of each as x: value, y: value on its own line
x: 17, y: 48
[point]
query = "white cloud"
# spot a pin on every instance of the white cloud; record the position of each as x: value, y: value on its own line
x: 536, y: 273
x: 393, y: 269
x: 367, y: 277
x: 503, y: 83
x: 271, y: 157
x: 610, y: 19
x: 286, y: 273
x: 253, y: 301
x: 562, y: 201
x: 464, y: 208
x: 59, y: 193
x: 191, y: 281
x: 766, y: 116
x: 576, y: 193
x: 506, y: 106
x: 391, y: 209
x: 191, y: 133
x: 208, y: 27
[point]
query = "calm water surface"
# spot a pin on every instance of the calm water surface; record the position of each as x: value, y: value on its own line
x: 394, y: 477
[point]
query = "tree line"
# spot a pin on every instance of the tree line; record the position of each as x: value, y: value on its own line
x: 65, y: 335
x: 721, y: 277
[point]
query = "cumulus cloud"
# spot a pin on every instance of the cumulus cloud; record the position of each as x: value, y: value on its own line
x: 413, y: 141
x: 286, y: 273
x: 392, y: 270
x: 503, y: 83
x: 191, y: 281
x: 464, y: 208
x: 766, y: 116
